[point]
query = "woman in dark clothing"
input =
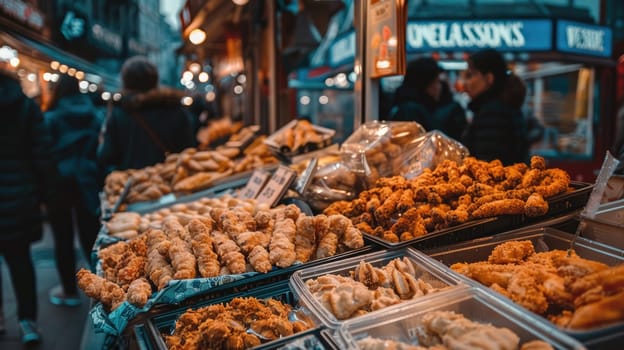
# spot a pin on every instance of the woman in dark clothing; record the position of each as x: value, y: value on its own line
x: 498, y: 129
x: 75, y: 126
x: 449, y: 116
x: 417, y: 97
x: 26, y: 181
x: 146, y: 124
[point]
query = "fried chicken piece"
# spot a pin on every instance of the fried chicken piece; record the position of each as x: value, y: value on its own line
x: 158, y: 269
x: 172, y: 228
x: 139, y: 292
x: 536, y: 345
x: 535, y: 205
x: 524, y: 290
x: 554, y: 182
x: 512, y: 252
x: 282, y: 246
x: 228, y: 252
x: 202, y: 246
x: 94, y: 286
x: 608, y: 310
x: 259, y: 259
x: 273, y: 327
x: 500, y: 207
x: 327, y: 246
x: 611, y: 279
x: 538, y: 163
x: 182, y: 259
x: 305, y: 239
x: 132, y: 268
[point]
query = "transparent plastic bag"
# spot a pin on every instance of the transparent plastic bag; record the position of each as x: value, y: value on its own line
x: 375, y: 150
x: 428, y: 151
x: 331, y: 183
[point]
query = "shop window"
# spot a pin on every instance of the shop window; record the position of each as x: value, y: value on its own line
x: 561, y: 98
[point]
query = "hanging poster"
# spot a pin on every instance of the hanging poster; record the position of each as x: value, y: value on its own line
x: 385, y: 37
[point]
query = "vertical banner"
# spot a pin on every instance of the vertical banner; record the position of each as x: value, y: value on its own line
x: 385, y: 37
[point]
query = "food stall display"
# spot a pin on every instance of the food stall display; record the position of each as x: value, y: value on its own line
x: 299, y: 136
x: 186, y: 172
x: 398, y: 209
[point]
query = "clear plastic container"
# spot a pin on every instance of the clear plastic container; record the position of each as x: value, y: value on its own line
x: 426, y: 269
x: 544, y: 239
x: 402, y: 324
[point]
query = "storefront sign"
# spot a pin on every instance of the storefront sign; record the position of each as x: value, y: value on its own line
x: 342, y: 50
x: 506, y: 35
x: 582, y: 38
x: 23, y: 12
x: 108, y: 39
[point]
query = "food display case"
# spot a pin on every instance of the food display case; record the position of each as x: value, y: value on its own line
x: 543, y: 240
x: 415, y: 324
x: 322, y: 288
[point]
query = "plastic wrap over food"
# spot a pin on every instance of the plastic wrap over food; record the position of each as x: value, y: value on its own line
x: 377, y: 149
x: 429, y: 150
x: 331, y: 183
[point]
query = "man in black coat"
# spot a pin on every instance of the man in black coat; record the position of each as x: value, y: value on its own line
x: 146, y: 124
x: 26, y: 176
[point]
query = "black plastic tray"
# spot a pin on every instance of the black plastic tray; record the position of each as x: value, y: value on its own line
x: 557, y: 205
x: 544, y: 239
x: 165, y: 323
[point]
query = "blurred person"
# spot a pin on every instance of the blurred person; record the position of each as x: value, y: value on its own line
x: 27, y: 175
x: 74, y: 125
x: 514, y: 95
x: 147, y: 123
x: 449, y: 116
x: 418, y: 96
x: 498, y: 129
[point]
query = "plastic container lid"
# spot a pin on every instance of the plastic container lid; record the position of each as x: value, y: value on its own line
x: 401, y: 324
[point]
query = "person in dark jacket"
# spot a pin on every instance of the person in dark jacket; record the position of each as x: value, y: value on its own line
x: 75, y: 125
x: 449, y: 116
x: 417, y: 97
x: 146, y: 124
x: 498, y: 129
x: 26, y: 181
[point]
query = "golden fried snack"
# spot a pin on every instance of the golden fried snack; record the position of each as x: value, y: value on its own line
x: 536, y: 205
x: 608, y: 310
x: 94, y: 286
x: 512, y: 252
x: 195, y: 182
x: 500, y: 207
x: 172, y: 227
x: 305, y: 239
x: 259, y: 259
x: 158, y: 268
x: 282, y: 246
x: 228, y: 252
x: 182, y: 259
x: 139, y: 292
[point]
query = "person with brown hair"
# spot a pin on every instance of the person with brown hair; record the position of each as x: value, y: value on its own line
x: 74, y: 124
x: 147, y: 123
x: 498, y: 129
x: 27, y: 175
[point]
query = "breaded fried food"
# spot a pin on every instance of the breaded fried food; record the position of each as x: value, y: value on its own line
x: 94, y: 286
x: 512, y: 252
x: 139, y: 292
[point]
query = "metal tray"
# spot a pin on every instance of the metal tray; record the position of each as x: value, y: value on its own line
x: 165, y: 323
x: 427, y: 269
x: 544, y: 239
x: 475, y: 304
x: 557, y: 205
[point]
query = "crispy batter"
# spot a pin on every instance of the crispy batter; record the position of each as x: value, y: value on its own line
x: 305, y: 239
x: 110, y: 294
x: 139, y: 292
x: 259, y: 259
x: 228, y: 252
x: 182, y: 259
x: 282, y: 246
x: 512, y: 252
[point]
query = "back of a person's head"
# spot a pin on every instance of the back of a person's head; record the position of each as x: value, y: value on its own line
x: 421, y: 72
x: 65, y: 86
x: 490, y: 61
x: 138, y: 74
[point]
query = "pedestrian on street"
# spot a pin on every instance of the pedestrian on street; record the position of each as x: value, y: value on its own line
x: 74, y: 125
x: 27, y: 176
x: 449, y: 116
x: 148, y: 122
x: 418, y: 96
x: 498, y: 129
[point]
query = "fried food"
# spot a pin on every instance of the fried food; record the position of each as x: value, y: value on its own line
x: 182, y: 259
x: 282, y: 246
x: 305, y: 239
x: 229, y: 253
x: 512, y: 252
x: 139, y: 292
x: 158, y: 268
x: 110, y: 294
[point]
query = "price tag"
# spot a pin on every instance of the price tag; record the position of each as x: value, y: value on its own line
x: 255, y: 184
x: 168, y: 198
x: 277, y: 186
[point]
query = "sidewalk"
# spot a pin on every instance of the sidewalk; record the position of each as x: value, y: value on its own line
x: 62, y: 327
